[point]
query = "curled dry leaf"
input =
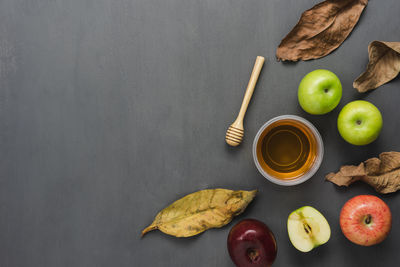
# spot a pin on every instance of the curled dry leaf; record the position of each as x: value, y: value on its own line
x: 383, y: 66
x: 199, y: 211
x: 321, y: 30
x: 383, y: 174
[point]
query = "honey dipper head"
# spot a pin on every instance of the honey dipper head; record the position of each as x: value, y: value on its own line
x: 234, y: 136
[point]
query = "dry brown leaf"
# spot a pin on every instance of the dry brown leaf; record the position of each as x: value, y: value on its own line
x: 199, y: 211
x: 383, y: 66
x: 321, y: 29
x: 383, y: 174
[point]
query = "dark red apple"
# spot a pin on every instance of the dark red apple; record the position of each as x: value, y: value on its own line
x: 365, y: 220
x: 251, y: 244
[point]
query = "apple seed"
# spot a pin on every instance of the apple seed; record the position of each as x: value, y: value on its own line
x: 307, y: 228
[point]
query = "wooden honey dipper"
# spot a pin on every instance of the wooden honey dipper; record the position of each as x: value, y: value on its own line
x: 234, y: 134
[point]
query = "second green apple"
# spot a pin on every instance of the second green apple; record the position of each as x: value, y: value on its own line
x: 360, y: 122
x: 319, y: 92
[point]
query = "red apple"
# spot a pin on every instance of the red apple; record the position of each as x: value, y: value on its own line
x: 365, y: 220
x: 251, y: 244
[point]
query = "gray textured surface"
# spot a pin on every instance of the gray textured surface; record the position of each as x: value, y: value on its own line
x: 111, y: 109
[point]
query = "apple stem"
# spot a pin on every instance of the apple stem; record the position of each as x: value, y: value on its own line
x: 358, y: 122
x: 253, y: 255
x: 368, y: 219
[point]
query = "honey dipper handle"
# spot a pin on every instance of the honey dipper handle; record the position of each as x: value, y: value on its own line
x: 250, y: 87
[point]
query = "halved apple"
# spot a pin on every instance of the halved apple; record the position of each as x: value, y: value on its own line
x: 308, y: 228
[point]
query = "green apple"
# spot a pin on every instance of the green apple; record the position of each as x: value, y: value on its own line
x: 308, y: 228
x: 319, y: 92
x: 359, y: 122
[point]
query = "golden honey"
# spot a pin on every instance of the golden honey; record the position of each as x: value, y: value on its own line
x: 286, y: 149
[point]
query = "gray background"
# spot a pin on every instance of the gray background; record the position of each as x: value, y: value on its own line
x: 112, y: 109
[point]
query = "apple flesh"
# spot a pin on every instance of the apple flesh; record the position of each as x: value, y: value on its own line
x: 308, y: 228
x: 319, y: 92
x: 252, y: 244
x: 359, y: 122
x: 365, y: 220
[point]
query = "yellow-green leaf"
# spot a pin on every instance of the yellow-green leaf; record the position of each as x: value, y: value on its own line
x: 199, y: 211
